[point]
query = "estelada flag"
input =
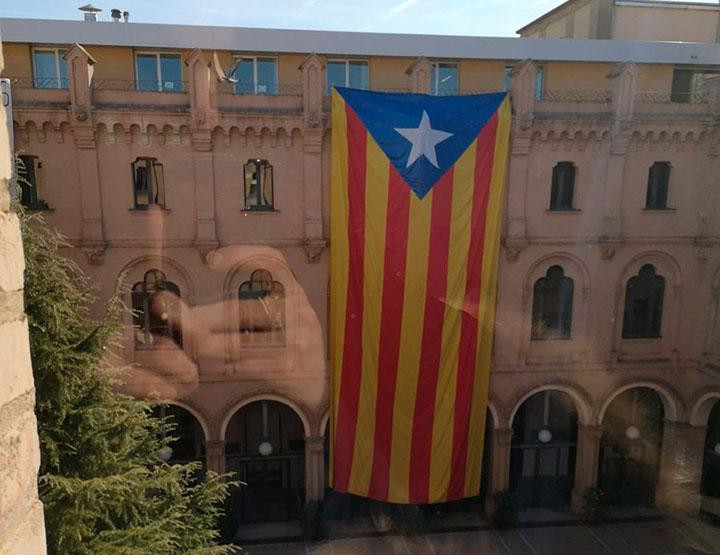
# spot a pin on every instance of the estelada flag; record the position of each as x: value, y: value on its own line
x: 416, y: 200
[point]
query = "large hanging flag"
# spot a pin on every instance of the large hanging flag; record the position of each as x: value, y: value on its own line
x: 416, y: 199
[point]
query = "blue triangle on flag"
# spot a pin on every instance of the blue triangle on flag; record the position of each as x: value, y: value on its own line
x: 422, y: 135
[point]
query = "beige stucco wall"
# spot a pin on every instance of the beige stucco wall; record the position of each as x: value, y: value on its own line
x: 581, y: 23
x: 641, y: 23
x: 22, y: 530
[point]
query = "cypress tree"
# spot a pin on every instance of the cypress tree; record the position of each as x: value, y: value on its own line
x: 104, y: 487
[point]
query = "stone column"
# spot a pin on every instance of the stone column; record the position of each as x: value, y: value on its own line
x: 622, y: 82
x: 586, y: 463
x: 80, y: 70
x: 215, y: 456
x: 522, y: 90
x: 681, y: 463
x: 204, y: 117
x: 22, y: 529
x: 418, y: 80
x: 314, y: 468
x: 500, y: 473
x: 313, y: 73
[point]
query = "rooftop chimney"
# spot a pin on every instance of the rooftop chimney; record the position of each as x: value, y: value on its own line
x: 126, y: 16
x: 90, y: 12
x: 115, y: 14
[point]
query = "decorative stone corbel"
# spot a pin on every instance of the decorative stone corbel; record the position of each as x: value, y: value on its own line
x: 313, y: 76
x: 418, y: 73
x: 513, y: 247
x: 609, y: 247
x: 95, y: 255
x: 80, y: 71
x: 522, y: 92
x: 313, y: 249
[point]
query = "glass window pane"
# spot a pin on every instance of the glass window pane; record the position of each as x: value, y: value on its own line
x: 147, y: 72
x: 171, y: 73
x: 62, y: 62
x: 539, y: 77
x: 433, y: 79
x: 244, y: 75
x: 45, y: 69
x: 266, y: 76
x: 447, y: 79
x: 335, y: 75
x: 507, y: 72
x: 358, y: 78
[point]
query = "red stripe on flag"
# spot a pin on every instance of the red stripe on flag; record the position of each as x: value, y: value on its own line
x: 396, y: 233
x: 469, y: 322
x: 420, y: 450
x: 352, y: 349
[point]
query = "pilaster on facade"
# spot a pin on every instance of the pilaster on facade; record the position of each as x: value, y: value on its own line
x: 215, y: 456
x: 80, y: 71
x: 418, y: 75
x: 313, y: 73
x: 203, y: 90
x: 315, y: 471
x: 522, y: 93
x: 586, y: 462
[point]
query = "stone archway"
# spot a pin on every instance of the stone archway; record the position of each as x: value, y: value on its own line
x: 631, y: 447
x: 265, y: 447
x: 543, y: 449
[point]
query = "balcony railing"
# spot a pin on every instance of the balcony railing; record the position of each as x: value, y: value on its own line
x: 577, y: 96
x: 142, y: 86
x: 270, y: 89
x: 39, y: 83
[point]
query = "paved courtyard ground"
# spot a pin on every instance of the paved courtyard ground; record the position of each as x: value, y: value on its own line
x: 669, y: 535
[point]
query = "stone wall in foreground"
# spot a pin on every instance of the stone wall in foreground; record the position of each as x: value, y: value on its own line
x: 22, y: 530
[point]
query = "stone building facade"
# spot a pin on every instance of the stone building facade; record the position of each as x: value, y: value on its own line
x: 22, y: 529
x: 607, y: 341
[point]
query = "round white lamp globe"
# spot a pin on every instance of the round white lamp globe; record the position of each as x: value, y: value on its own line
x: 165, y: 453
x: 545, y: 436
x: 717, y: 448
x: 632, y: 432
x: 265, y: 448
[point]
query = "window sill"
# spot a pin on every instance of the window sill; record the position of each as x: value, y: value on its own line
x: 551, y: 339
x: 246, y: 211
x: 646, y: 339
x: 563, y: 210
x: 35, y: 209
x: 150, y: 210
x: 658, y: 210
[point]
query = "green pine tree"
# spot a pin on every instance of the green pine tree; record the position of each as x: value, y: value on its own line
x: 104, y: 487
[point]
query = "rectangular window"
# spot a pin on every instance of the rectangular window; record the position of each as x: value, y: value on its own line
x: 563, y: 186
x: 258, y: 176
x: 256, y: 75
x: 50, y: 69
x: 29, y: 176
x: 688, y: 83
x: 158, y: 72
x: 148, y: 183
x: 347, y: 73
x: 657, y: 187
x: 539, y: 80
x: 443, y: 79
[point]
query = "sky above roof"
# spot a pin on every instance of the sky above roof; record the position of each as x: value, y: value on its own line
x: 445, y: 17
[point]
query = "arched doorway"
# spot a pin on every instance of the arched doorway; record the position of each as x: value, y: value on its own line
x: 630, y: 448
x: 189, y: 445
x: 265, y: 448
x: 710, y: 485
x: 542, y: 456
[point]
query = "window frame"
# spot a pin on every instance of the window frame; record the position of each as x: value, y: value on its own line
x: 142, y: 321
x: 237, y: 58
x: 36, y: 203
x: 152, y: 189
x: 565, y: 284
x: 158, y: 70
x: 666, y: 205
x: 260, y: 189
x: 630, y: 334
x: 278, y: 333
x: 557, y: 207
x: 346, y: 62
x: 56, y: 50
x: 434, y: 71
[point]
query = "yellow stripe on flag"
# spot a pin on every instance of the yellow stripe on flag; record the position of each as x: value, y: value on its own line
x: 416, y: 267
x: 486, y: 324
x: 460, y: 221
x: 338, y: 251
x: 376, y: 198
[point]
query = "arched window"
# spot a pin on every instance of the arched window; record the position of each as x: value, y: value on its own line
x: 156, y: 325
x: 262, y: 310
x: 258, y: 185
x: 552, y: 305
x: 657, y: 187
x: 562, y: 191
x: 643, y: 304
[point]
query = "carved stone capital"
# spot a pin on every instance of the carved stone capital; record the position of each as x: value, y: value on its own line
x: 608, y: 248
x: 313, y: 249
x: 95, y: 254
x: 513, y: 247
x: 315, y: 444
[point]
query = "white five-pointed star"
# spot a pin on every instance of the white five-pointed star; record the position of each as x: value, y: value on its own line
x: 423, y: 139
